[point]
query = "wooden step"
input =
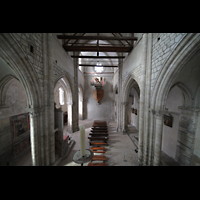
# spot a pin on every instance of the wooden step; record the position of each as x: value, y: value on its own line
x: 97, y: 164
x: 98, y: 148
x: 99, y: 158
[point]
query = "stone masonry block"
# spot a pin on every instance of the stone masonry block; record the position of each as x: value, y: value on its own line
x: 178, y: 38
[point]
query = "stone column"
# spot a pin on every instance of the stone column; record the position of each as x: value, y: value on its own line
x: 69, y: 127
x: 75, y: 121
x: 151, y: 137
x: 147, y: 100
x: 59, y: 125
x: 119, y: 107
x: 142, y: 100
x: 124, y: 117
x: 50, y: 104
x: 34, y: 138
x: 45, y: 99
x: 158, y: 137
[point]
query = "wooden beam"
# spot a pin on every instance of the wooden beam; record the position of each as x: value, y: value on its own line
x: 98, y: 73
x: 101, y: 48
x: 126, y: 40
x: 94, y: 37
x: 119, y: 40
x: 77, y: 39
x: 87, y: 65
x: 69, y: 39
x: 99, y: 57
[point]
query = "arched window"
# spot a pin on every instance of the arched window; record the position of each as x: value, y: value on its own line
x: 61, y: 96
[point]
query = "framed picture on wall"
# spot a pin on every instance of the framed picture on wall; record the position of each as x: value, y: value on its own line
x: 168, y: 120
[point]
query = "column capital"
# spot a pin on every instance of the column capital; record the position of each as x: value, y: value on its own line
x: 158, y: 113
x: 36, y: 111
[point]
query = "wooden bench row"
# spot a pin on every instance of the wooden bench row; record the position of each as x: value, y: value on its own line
x: 99, y: 132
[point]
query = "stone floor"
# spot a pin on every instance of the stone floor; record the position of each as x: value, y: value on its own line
x: 120, y: 150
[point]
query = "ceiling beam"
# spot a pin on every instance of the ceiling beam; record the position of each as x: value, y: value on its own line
x: 99, y: 57
x: 119, y: 40
x: 86, y: 65
x: 77, y: 39
x: 126, y: 40
x: 98, y: 72
x: 94, y: 37
x: 100, y: 49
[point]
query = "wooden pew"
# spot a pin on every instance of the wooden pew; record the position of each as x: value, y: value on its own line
x: 94, y: 131
x: 103, y: 138
x: 99, y: 158
x: 98, y: 134
x: 97, y: 164
x: 97, y: 143
x: 98, y: 149
x: 99, y: 124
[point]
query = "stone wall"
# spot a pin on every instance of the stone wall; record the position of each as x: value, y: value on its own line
x: 14, y: 101
x: 186, y: 136
x: 163, y: 45
x: 26, y: 40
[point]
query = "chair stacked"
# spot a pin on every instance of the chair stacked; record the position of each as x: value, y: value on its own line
x: 98, y: 139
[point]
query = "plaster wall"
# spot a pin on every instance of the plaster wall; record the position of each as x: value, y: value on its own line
x: 170, y: 134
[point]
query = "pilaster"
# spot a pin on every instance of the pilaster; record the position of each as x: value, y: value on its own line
x: 158, y: 136
x: 75, y: 122
x: 142, y: 101
x: 119, y: 106
x: 124, y: 116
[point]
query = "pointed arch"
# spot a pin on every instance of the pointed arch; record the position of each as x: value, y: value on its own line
x: 131, y: 81
x: 186, y: 94
x: 182, y: 53
x: 189, y: 45
x: 13, y: 54
x: 65, y: 82
x: 16, y: 58
x: 4, y: 83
